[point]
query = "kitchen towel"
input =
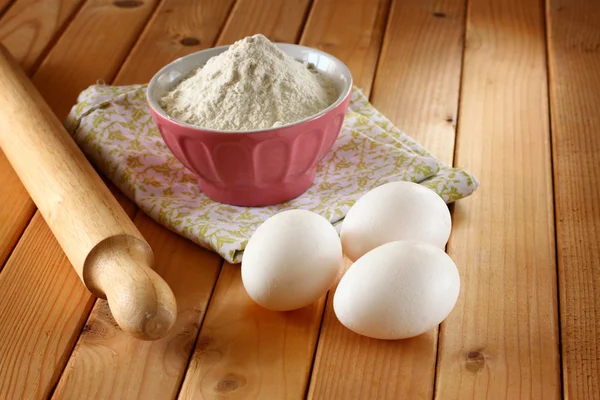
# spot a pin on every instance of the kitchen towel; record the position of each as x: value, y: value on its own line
x: 114, y: 128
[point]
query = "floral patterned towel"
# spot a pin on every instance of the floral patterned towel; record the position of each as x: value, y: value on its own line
x: 114, y: 128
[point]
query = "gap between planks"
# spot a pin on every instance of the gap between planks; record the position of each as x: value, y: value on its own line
x: 555, y: 195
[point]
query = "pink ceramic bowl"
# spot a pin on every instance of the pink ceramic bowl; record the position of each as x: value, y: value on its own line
x: 253, y: 168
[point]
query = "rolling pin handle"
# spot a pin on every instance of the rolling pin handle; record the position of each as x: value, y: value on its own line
x: 142, y: 304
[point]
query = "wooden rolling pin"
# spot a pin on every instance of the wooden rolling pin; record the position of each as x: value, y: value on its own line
x: 108, y: 252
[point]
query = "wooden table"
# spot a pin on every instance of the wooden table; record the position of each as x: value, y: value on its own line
x: 507, y: 89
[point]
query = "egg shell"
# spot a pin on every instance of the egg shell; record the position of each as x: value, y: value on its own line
x: 399, y: 290
x: 395, y: 211
x: 291, y: 260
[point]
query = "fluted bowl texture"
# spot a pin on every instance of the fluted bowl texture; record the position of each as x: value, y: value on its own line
x: 253, y: 168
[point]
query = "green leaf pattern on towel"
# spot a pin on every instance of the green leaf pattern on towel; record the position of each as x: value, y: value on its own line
x: 114, y: 128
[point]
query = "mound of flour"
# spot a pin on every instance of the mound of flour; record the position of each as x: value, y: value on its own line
x: 253, y: 85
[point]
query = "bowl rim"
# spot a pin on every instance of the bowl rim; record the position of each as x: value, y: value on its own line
x: 155, y: 106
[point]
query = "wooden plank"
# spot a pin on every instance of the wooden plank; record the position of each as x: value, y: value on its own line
x: 16, y: 212
x: 39, y: 276
x: 247, y: 352
x: 352, y: 31
x: 30, y: 26
x: 152, y: 370
x: 25, y: 30
x: 281, y: 21
x: 102, y: 34
x: 574, y: 50
x: 179, y: 27
x: 43, y: 308
x: 401, y: 369
x: 108, y: 363
x: 418, y: 76
x: 37, y: 327
x: 502, y: 338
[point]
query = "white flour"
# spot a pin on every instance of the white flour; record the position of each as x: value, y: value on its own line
x: 253, y: 85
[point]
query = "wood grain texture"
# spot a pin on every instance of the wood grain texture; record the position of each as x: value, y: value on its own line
x: 40, y: 270
x: 179, y: 27
x: 16, y: 211
x: 38, y: 328
x: 144, y: 370
x: 350, y: 30
x: 501, y: 340
x: 244, y: 351
x: 43, y: 307
x: 91, y: 49
x: 418, y: 75
x: 574, y: 50
x: 281, y: 21
x: 30, y: 26
x: 402, y: 369
x: 109, y: 364
x: 247, y: 352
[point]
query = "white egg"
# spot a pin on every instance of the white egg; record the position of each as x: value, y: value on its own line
x: 291, y: 260
x: 399, y: 290
x: 395, y: 211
